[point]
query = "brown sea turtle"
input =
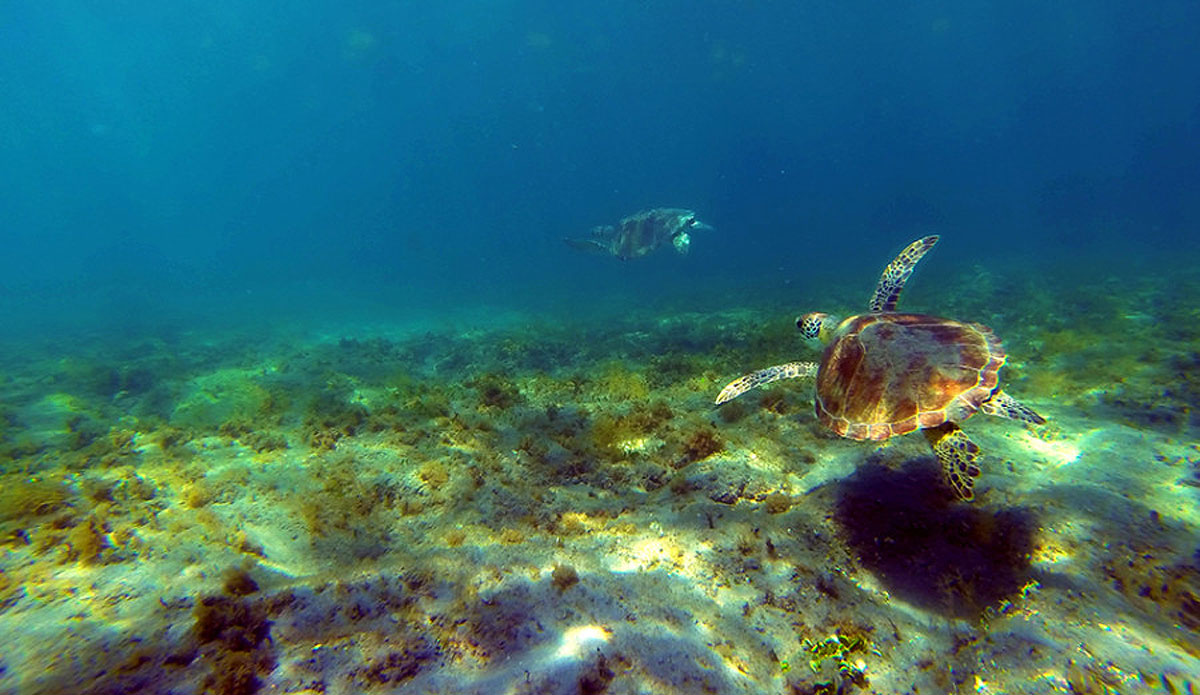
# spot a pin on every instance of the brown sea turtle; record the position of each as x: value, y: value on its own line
x: 642, y: 233
x: 885, y: 373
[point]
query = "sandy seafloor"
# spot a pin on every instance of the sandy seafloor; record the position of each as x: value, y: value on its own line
x: 547, y: 504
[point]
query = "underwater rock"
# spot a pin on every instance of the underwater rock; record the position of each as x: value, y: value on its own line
x: 59, y: 421
x: 721, y: 481
x: 226, y: 395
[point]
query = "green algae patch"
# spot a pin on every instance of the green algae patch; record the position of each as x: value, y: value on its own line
x: 700, y: 444
x: 227, y: 395
x: 496, y: 391
x: 618, y: 382
x: 25, y: 497
x: 87, y: 541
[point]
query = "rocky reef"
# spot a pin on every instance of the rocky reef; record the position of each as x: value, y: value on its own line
x: 554, y: 506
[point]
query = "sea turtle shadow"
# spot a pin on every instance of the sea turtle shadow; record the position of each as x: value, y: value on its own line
x: 927, y: 548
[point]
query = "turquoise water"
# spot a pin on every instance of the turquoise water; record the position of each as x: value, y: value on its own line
x: 301, y: 390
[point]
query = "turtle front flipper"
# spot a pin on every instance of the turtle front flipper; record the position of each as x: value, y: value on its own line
x: 790, y: 370
x: 958, y: 454
x: 1003, y: 405
x: 887, y: 292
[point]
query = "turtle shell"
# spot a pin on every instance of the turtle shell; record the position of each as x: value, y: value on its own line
x: 885, y: 374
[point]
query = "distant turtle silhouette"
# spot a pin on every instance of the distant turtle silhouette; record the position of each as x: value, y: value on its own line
x: 885, y: 373
x: 642, y: 233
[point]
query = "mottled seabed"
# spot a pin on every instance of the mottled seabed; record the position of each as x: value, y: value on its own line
x: 555, y: 507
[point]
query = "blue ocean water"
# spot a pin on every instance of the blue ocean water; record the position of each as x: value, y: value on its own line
x: 433, y: 155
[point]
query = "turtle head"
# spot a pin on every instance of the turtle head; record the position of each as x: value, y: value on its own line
x: 693, y: 223
x: 817, y: 325
x: 685, y: 221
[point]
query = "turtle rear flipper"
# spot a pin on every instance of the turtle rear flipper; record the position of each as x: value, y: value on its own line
x: 957, y: 454
x: 587, y: 245
x: 1003, y: 405
x: 790, y: 370
x: 891, y: 283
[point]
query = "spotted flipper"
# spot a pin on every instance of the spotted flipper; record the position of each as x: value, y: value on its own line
x: 1003, y: 405
x: 887, y: 292
x: 957, y: 454
x: 791, y: 370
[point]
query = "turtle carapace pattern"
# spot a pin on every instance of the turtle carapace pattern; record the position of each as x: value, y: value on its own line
x: 642, y: 233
